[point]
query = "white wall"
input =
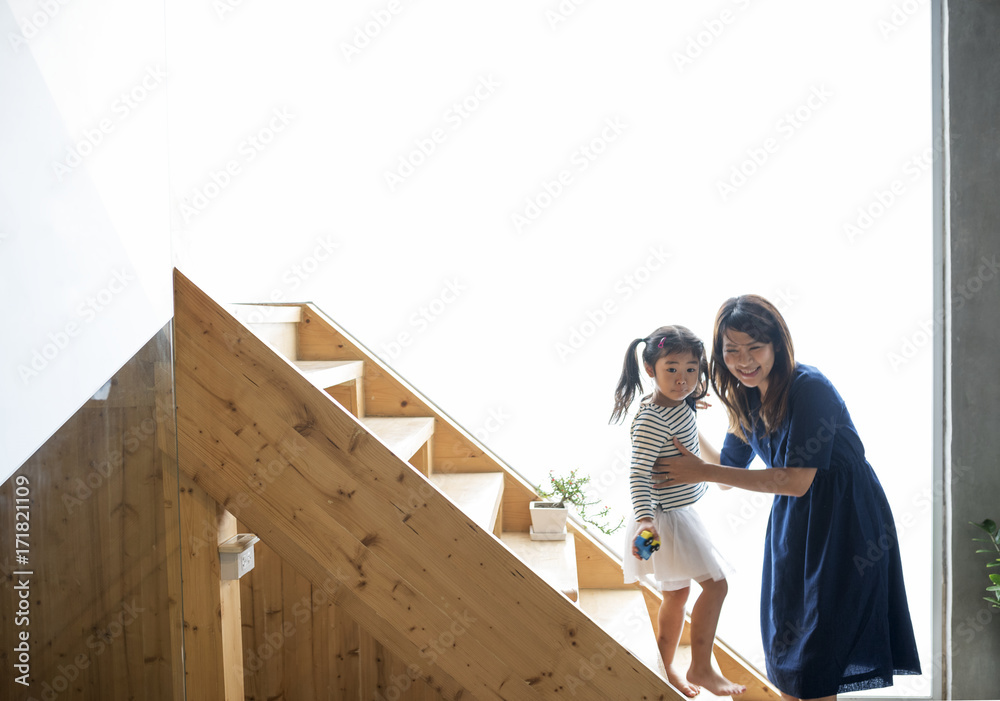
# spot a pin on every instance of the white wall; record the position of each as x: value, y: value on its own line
x: 84, y: 238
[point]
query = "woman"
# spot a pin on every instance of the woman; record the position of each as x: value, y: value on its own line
x: 834, y: 616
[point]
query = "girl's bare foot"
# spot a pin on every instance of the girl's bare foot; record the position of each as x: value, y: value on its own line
x: 714, y: 682
x: 680, y: 683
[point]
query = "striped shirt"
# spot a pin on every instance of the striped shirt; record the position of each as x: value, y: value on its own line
x: 653, y: 429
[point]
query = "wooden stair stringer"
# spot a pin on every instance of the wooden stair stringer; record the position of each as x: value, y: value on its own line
x: 345, y: 508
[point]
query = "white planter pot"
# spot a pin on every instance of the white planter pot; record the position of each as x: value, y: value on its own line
x: 548, y: 521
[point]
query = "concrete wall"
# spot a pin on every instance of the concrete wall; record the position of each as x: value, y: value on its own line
x: 972, y: 69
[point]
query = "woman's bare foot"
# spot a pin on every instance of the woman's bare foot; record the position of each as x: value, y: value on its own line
x: 680, y: 683
x: 714, y: 682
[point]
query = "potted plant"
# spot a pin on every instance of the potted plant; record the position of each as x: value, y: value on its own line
x: 548, y: 518
x: 990, y: 528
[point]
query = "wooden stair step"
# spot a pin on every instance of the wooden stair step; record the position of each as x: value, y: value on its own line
x: 683, y: 660
x: 478, y: 494
x: 328, y: 373
x: 266, y: 314
x: 404, y: 435
x: 623, y: 614
x: 277, y: 326
x: 553, y: 560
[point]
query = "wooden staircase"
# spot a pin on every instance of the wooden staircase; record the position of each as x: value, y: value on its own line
x: 524, y: 642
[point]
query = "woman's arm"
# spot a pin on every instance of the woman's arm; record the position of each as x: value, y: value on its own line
x: 690, y: 469
x: 711, y: 455
x: 708, y: 451
x: 786, y: 481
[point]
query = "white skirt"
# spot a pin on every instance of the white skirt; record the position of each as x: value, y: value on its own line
x: 686, y: 551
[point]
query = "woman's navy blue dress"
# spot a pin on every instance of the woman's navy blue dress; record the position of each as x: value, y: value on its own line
x: 833, y: 611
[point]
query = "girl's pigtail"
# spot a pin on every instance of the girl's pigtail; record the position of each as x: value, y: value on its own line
x: 628, y: 383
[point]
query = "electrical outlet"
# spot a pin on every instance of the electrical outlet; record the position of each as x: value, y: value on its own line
x: 236, y: 555
x: 246, y: 562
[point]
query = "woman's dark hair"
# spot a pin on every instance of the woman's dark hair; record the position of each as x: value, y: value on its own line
x: 761, y: 320
x: 664, y: 341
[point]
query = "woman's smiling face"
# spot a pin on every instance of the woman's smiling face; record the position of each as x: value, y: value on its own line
x: 750, y: 361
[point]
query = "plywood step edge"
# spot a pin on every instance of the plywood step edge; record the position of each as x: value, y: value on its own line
x: 265, y: 313
x: 403, y: 435
x: 622, y: 613
x: 329, y: 373
x: 477, y: 494
x: 552, y: 560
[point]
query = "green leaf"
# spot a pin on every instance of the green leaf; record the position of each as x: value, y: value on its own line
x: 988, y: 526
x: 995, y: 587
x: 995, y: 578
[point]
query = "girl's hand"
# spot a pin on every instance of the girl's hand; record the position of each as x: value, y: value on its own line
x: 645, y: 524
x: 702, y: 404
x: 686, y: 468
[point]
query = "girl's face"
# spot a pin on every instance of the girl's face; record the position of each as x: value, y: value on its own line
x: 675, y: 376
x: 749, y: 360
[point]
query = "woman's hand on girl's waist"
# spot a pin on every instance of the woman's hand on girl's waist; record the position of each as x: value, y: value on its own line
x: 686, y: 468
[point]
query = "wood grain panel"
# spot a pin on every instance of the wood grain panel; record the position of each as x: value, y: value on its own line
x: 104, y: 619
x: 347, y: 395
x: 203, y: 641
x: 320, y: 644
x: 346, y: 650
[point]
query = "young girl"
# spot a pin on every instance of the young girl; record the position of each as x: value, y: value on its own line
x: 675, y: 359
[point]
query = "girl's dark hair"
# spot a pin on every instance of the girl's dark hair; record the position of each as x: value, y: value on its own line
x: 664, y: 341
x: 761, y: 320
